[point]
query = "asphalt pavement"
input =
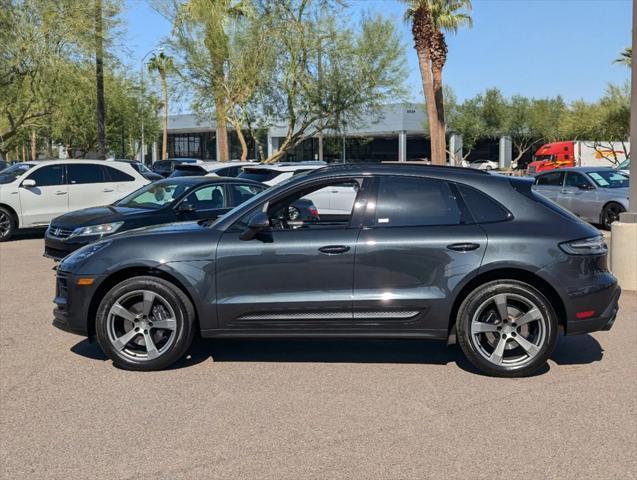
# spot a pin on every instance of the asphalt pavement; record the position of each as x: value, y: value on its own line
x: 302, y: 409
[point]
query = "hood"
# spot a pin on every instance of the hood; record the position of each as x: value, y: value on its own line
x: 166, y: 228
x: 97, y: 216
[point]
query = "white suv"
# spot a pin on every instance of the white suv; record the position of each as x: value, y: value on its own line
x: 33, y: 193
x: 331, y: 201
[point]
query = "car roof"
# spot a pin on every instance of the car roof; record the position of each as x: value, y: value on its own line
x: 397, y: 168
x: 200, y: 180
x: 286, y: 166
x: 580, y: 169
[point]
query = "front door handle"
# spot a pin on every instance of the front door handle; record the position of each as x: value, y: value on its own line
x: 60, y: 193
x: 106, y: 190
x: 463, y: 247
x: 334, y: 249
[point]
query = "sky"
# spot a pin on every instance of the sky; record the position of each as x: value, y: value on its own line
x: 536, y: 48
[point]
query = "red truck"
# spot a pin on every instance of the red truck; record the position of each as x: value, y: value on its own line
x: 578, y: 154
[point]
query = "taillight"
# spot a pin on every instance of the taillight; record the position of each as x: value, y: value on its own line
x: 313, y: 211
x: 586, y: 246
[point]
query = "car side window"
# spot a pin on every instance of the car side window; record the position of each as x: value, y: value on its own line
x: 82, y: 173
x: 413, y: 201
x: 483, y: 208
x: 48, y: 176
x: 207, y: 198
x: 116, y: 175
x: 574, y: 179
x: 242, y: 193
x: 553, y: 179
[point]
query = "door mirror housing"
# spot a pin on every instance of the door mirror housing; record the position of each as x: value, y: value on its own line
x: 257, y: 224
x: 185, y: 207
x: 29, y: 183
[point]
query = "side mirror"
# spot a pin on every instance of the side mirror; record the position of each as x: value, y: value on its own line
x: 185, y: 207
x: 28, y: 183
x: 257, y: 224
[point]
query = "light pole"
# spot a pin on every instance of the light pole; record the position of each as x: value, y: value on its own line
x: 142, y: 102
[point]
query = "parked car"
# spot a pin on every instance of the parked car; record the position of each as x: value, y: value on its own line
x: 166, y: 167
x: 217, y: 169
x: 411, y: 260
x: 596, y: 195
x: 624, y: 167
x: 165, y: 201
x: 484, y: 164
x: 32, y: 193
x: 3, y: 165
x: 331, y: 203
x: 143, y: 170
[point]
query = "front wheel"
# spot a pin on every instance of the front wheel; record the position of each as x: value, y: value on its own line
x: 145, y: 323
x: 610, y: 214
x: 7, y: 225
x: 507, y: 328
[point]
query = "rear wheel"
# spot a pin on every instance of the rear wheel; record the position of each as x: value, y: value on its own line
x: 7, y: 224
x: 145, y: 323
x: 507, y: 328
x: 610, y: 214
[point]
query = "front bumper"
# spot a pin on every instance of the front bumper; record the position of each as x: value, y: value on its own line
x: 72, y: 304
x: 58, y: 248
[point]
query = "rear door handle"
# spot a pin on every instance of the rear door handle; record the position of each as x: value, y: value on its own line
x: 60, y: 193
x: 108, y: 190
x: 463, y: 247
x: 334, y: 249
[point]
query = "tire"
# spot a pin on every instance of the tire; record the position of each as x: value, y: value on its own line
x: 143, y: 303
x: 7, y: 224
x: 610, y: 214
x: 504, y: 347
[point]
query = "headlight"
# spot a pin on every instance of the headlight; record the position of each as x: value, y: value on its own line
x: 103, y: 229
x: 586, y: 246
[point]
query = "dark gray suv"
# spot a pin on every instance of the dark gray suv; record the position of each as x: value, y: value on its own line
x: 425, y: 252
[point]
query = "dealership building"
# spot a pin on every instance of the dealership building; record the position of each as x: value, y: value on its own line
x: 396, y: 132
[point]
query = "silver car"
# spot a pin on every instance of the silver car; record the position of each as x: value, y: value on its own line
x: 597, y: 195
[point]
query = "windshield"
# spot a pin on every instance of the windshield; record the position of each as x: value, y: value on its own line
x: 259, y: 174
x: 538, y: 158
x: 609, y: 179
x: 140, y: 167
x: 625, y: 165
x: 9, y: 174
x: 153, y: 196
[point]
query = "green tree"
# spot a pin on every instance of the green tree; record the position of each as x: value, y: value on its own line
x: 163, y: 64
x: 625, y: 57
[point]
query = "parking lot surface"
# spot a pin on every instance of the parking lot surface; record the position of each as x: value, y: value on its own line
x: 300, y: 409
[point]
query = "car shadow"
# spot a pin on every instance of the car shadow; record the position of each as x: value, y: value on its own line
x: 29, y: 234
x: 578, y: 350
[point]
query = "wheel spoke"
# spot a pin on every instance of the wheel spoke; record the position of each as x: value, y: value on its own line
x: 482, y: 327
x: 530, y: 316
x: 149, y: 299
x: 120, y: 311
x: 122, y: 341
x: 151, y: 348
x: 500, y: 301
x: 498, y: 353
x: 166, y: 323
x: 528, y: 347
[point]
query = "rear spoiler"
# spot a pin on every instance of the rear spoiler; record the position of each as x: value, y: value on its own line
x: 190, y: 166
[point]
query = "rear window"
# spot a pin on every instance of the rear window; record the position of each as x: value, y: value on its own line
x: 118, y: 176
x: 408, y: 201
x: 259, y: 174
x: 483, y: 208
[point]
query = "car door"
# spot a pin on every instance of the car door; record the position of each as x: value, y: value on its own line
x: 578, y: 195
x: 208, y: 202
x: 46, y: 200
x: 550, y: 184
x: 292, y: 277
x: 240, y: 192
x: 89, y: 186
x: 119, y: 184
x: 417, y: 246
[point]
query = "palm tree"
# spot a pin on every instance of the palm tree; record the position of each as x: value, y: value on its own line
x: 430, y: 19
x: 163, y: 65
x: 99, y: 81
x: 625, y: 57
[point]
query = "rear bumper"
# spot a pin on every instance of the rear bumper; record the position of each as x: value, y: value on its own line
x: 603, y: 321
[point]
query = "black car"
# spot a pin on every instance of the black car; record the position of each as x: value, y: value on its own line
x: 166, y: 167
x: 165, y: 201
x: 425, y: 253
x: 143, y: 170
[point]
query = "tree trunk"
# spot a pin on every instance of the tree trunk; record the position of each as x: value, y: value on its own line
x: 164, y: 139
x: 99, y: 82
x: 24, y: 153
x: 242, y: 140
x: 437, y: 156
x: 440, y: 112
x: 34, y: 149
x: 222, y: 128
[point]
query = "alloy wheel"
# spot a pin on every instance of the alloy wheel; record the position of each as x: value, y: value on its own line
x: 611, y: 214
x: 141, y: 325
x: 5, y: 224
x: 508, y: 330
